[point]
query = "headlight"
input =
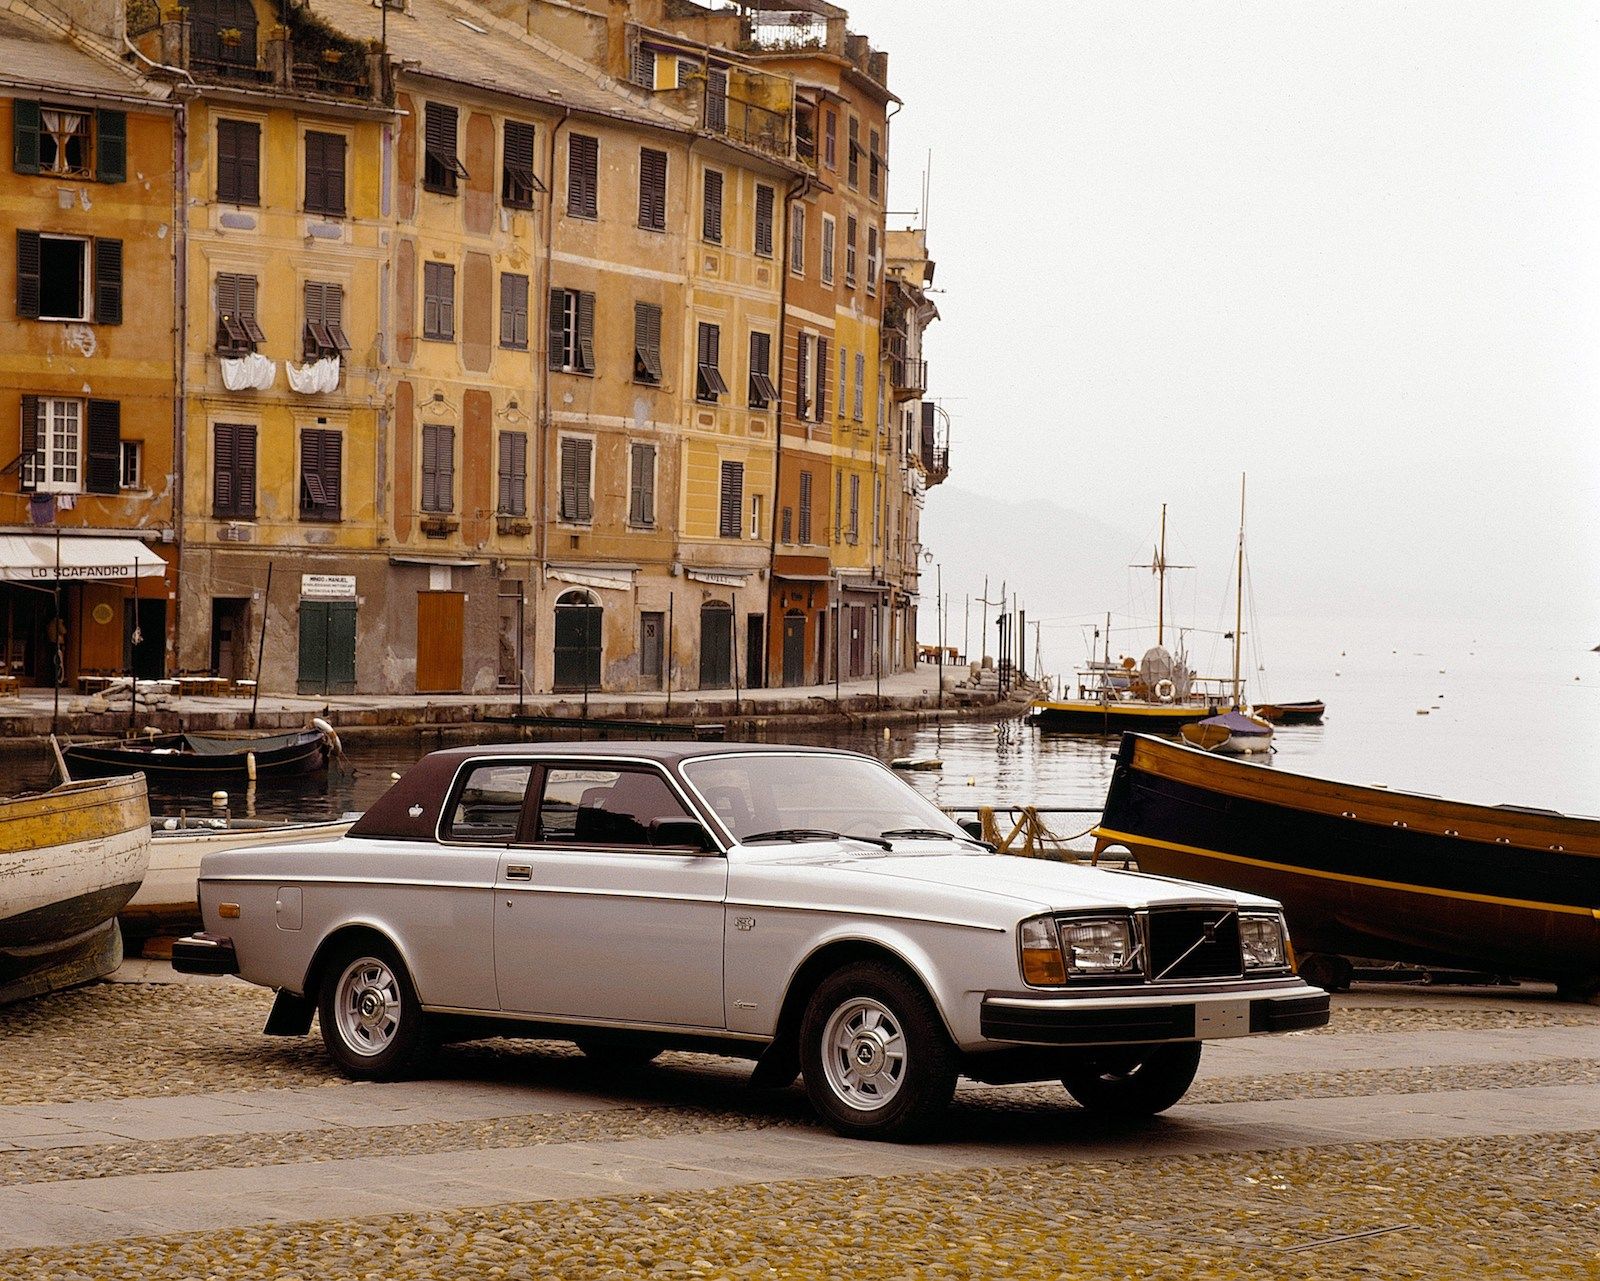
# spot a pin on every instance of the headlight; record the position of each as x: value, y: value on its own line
x: 1265, y: 942
x: 1099, y: 945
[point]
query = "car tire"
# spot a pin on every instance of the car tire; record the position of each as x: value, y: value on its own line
x: 874, y: 1053
x: 618, y: 1056
x: 1135, y: 1082
x: 371, y: 1020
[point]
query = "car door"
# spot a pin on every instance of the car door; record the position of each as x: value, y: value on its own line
x: 597, y: 920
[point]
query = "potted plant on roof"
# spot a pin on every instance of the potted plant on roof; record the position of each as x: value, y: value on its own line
x: 232, y: 37
x: 333, y: 56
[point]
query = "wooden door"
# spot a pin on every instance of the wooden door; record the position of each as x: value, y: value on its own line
x: 794, y: 648
x: 441, y: 622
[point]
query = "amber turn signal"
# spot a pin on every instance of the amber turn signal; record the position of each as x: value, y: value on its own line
x: 228, y: 911
x: 1042, y: 965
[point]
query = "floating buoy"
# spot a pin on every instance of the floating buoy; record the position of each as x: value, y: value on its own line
x: 1422, y: 711
x: 972, y: 782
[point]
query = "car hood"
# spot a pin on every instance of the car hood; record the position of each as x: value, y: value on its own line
x: 1039, y: 883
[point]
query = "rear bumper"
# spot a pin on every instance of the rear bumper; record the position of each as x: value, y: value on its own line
x: 204, y: 954
x: 1102, y: 1019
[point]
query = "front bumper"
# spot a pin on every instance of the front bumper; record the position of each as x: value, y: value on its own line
x: 1131, y: 1016
x: 205, y: 954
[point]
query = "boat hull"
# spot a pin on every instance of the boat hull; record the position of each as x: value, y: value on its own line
x: 70, y: 859
x: 1094, y: 717
x: 166, y: 757
x: 1307, y: 713
x: 1367, y: 872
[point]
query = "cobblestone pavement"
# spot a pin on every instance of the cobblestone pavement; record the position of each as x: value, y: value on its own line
x: 1252, y: 1176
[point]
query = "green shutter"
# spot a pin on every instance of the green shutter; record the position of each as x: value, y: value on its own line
x: 28, y: 274
x: 25, y: 136
x: 107, y: 281
x: 104, y: 471
x: 110, y: 146
x: 30, y: 442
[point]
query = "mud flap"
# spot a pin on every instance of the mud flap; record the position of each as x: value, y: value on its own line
x: 291, y: 1015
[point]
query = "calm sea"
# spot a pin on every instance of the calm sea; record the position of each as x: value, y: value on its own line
x: 1477, y: 719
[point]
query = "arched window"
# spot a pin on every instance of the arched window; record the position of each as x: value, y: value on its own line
x: 209, y: 20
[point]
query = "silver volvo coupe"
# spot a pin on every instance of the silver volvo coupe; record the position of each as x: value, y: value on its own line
x: 801, y: 907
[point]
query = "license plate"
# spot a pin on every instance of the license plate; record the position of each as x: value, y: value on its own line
x: 1222, y: 1018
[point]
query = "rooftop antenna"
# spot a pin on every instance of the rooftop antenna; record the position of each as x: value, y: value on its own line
x: 927, y: 178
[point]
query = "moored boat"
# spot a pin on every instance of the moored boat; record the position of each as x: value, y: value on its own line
x: 70, y: 858
x: 1366, y: 871
x: 1233, y: 733
x: 1307, y: 712
x: 168, y: 895
x: 206, y: 758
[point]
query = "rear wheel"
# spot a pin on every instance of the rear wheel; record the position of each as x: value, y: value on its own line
x: 1134, y: 1082
x: 876, y: 1060
x: 371, y: 1020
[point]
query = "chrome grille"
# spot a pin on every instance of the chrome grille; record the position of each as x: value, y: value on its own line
x: 1207, y: 940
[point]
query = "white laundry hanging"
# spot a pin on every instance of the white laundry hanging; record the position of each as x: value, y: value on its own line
x: 319, y: 377
x: 253, y: 372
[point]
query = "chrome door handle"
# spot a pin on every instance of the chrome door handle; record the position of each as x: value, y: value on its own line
x: 519, y: 871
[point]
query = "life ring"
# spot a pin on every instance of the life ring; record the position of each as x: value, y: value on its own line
x: 1165, y: 691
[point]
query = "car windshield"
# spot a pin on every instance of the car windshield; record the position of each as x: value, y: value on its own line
x: 812, y: 796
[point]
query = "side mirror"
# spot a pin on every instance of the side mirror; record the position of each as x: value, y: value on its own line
x: 679, y: 833
x: 972, y: 827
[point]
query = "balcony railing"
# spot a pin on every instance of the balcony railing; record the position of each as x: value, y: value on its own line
x: 908, y: 378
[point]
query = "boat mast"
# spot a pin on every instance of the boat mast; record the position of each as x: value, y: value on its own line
x: 1161, y: 581
x: 1238, y: 600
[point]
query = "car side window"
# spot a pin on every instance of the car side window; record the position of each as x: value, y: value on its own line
x: 488, y: 805
x: 606, y: 807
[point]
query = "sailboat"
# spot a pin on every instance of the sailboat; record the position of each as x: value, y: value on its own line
x: 1157, y: 692
x: 1234, y: 731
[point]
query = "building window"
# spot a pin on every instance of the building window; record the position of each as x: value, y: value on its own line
x: 517, y: 180
x: 652, y: 189
x: 439, y: 301
x: 641, y: 485
x: 802, y: 377
x: 324, y: 331
x: 829, y: 231
x: 239, y: 162
x: 711, y: 219
x: 838, y: 505
x: 805, y: 508
x: 844, y: 379
x: 830, y: 139
x: 647, y: 343
x: 132, y: 465
x: 861, y: 384
x: 52, y: 445
x: 577, y: 468
x: 583, y: 176
x: 208, y: 19
x: 850, y: 230
x: 762, y: 392
x: 233, y: 470
x: 877, y: 507
x: 853, y: 160
x: 730, y: 504
x: 325, y: 173
x: 717, y: 99
x: 513, y: 311
x: 438, y: 469
x: 238, y: 333
x: 853, y: 534
x: 69, y: 142
x: 708, y: 361
x: 874, y: 165
x: 820, y: 378
x: 797, y: 239
x: 786, y: 527
x: 872, y: 262
x: 572, y: 331
x: 764, y: 206
x: 513, y: 474
x: 64, y: 142
x: 755, y: 516
x: 642, y: 67
x: 321, y: 466
x: 69, y: 278
x: 441, y: 166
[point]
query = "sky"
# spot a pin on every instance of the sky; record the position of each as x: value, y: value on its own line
x: 1351, y: 250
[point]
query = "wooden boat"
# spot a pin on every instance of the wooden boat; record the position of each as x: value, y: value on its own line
x: 1309, y: 712
x: 1232, y: 733
x: 168, y: 894
x: 70, y: 858
x: 1368, y: 872
x: 206, y: 759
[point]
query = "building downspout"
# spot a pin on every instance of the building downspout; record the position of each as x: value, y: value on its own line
x: 542, y: 549
x: 180, y: 320
x: 797, y: 191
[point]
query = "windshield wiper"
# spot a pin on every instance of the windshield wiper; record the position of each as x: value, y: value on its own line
x: 809, y: 834
x: 927, y: 834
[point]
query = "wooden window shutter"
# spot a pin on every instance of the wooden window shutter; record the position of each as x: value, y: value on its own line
x: 247, y: 161
x: 519, y: 473
x: 30, y: 443
x: 508, y: 323
x: 104, y: 470
x: 446, y: 469
x: 440, y: 164
x: 325, y: 172
x: 244, y: 469
x: 222, y: 489
x: 107, y: 281
x: 636, y: 469
x: 447, y: 300
x: 802, y: 383
x: 652, y: 189
x: 731, y: 505
x: 25, y: 136
x: 569, y: 480
x: 504, y: 505
x: 517, y: 181
x: 513, y: 311
x: 822, y: 379
x: 585, y: 454
x: 227, y: 162
x: 583, y: 176
x: 110, y: 146
x: 647, y: 483
x: 332, y: 472
x: 558, y: 329
x: 805, y: 507
x: 647, y: 342
x: 316, y: 173
x: 312, y: 497
x: 28, y: 274
x: 764, y: 204
x: 711, y: 220
x: 586, y: 331
x: 430, y: 469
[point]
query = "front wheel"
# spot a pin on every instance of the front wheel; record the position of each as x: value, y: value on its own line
x: 876, y: 1060
x: 371, y: 1020
x: 1134, y: 1082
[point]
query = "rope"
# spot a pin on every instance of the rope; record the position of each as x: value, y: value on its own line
x: 1030, y: 836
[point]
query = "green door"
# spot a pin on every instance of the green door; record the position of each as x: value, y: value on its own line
x: 327, y: 646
